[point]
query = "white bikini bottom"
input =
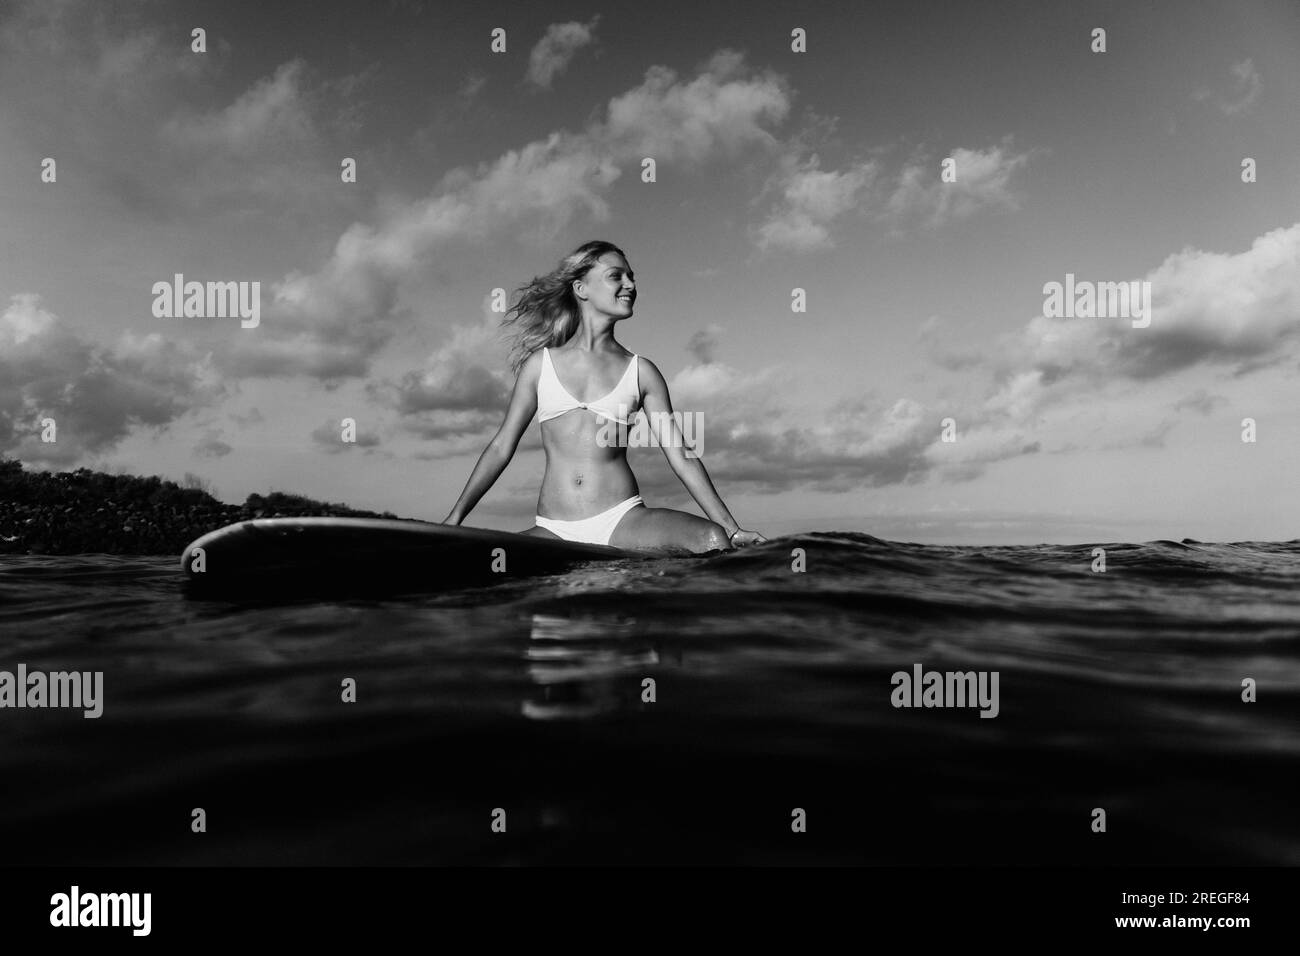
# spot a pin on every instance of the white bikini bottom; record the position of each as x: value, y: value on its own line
x: 594, y: 530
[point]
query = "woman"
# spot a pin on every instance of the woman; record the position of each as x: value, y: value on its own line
x: 565, y: 322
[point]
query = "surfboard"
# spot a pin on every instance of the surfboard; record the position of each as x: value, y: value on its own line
x: 268, y: 557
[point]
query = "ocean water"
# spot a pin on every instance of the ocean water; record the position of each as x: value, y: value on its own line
x: 774, y: 693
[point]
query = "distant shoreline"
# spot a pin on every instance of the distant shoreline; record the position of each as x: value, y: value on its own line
x: 90, y: 512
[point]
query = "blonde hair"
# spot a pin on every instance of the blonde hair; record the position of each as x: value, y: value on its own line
x: 546, y: 312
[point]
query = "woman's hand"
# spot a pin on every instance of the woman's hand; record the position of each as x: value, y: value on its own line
x: 741, y: 538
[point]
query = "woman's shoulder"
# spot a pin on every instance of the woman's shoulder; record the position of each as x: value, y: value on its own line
x: 531, y: 366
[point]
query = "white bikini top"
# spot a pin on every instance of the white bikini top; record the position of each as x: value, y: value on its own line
x: 553, y: 399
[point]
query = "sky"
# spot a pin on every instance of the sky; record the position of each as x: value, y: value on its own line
x: 921, y: 171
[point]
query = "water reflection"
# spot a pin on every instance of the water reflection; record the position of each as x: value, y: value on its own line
x: 585, y: 666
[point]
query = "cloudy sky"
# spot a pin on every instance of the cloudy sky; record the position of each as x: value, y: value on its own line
x: 775, y: 170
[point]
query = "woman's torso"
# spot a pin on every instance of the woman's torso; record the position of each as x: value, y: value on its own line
x: 586, y: 455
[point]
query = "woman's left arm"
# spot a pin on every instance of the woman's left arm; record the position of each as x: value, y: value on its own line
x: 685, y: 463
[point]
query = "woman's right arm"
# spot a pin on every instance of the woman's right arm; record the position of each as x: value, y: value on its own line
x: 493, y: 461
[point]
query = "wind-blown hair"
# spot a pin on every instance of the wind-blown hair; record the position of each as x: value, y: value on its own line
x: 546, y: 313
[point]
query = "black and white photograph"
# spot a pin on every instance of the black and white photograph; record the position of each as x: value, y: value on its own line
x: 844, y: 436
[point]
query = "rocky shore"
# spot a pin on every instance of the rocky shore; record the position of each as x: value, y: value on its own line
x: 83, y: 511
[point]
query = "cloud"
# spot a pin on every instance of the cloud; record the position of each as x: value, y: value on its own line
x: 811, y: 199
x: 703, y: 345
x: 271, y: 114
x: 211, y: 445
x: 263, y: 149
x: 444, y: 386
x: 934, y: 335
x: 460, y: 393
x: 471, y: 86
x: 103, y: 48
x: 753, y: 442
x: 1247, y: 88
x: 1207, y: 308
x: 96, y: 395
x: 1237, y: 313
x: 751, y: 446
x: 554, y: 51
x: 328, y: 436
x: 331, y: 323
x: 251, y: 417
x: 1200, y: 401
x: 114, y: 89
x: 465, y: 374
x: 983, y: 181
x: 1155, y: 437
x: 722, y: 111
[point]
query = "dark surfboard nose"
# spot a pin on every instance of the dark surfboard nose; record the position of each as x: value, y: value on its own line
x: 265, y: 558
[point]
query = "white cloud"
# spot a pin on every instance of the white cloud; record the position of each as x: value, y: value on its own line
x: 722, y: 111
x: 554, y: 51
x: 1247, y: 87
x: 1109, y: 385
x: 272, y: 113
x: 811, y: 199
x: 1210, y: 308
x: 983, y: 181
x: 330, y: 323
x: 754, y: 442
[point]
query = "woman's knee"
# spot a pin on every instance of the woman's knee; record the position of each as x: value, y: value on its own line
x: 715, y: 538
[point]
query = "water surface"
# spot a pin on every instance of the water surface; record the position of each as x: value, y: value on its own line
x: 1119, y: 690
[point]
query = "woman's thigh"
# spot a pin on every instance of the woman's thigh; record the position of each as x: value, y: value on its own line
x: 666, y: 528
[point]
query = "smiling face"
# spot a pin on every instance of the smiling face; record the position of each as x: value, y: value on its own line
x: 609, y: 286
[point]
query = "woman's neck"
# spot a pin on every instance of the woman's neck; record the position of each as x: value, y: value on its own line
x: 591, y: 340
